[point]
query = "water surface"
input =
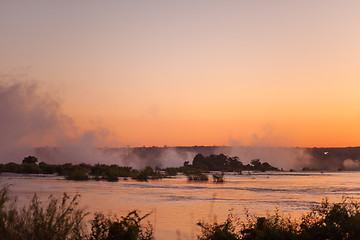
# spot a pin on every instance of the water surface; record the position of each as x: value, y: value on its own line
x: 177, y: 204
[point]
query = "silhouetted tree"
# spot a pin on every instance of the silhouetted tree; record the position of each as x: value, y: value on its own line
x: 30, y: 160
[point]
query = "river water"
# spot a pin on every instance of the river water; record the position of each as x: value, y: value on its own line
x: 177, y: 205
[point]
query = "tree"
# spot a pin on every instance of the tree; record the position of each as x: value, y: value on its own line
x: 30, y: 160
x: 256, y: 163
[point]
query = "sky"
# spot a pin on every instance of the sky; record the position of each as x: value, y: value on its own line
x: 154, y: 73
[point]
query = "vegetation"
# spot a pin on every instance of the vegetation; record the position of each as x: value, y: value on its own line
x: 112, y: 173
x: 30, y: 160
x: 77, y: 173
x: 62, y: 219
x: 148, y: 173
x: 225, y: 163
x: 59, y: 219
x: 82, y: 172
x: 196, y: 175
x: 125, y: 228
x: 218, y: 177
x: 337, y: 221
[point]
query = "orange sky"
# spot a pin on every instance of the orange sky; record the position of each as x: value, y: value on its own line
x: 195, y: 73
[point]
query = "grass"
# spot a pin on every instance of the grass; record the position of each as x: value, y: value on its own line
x: 62, y: 219
x: 58, y: 219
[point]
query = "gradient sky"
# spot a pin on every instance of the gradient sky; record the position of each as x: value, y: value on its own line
x: 195, y: 72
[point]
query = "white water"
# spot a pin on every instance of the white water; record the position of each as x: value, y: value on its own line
x: 177, y: 204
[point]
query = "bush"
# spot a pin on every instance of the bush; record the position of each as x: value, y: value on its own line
x: 61, y: 219
x: 148, y: 173
x: 337, y: 221
x: 198, y: 177
x: 126, y: 228
x: 171, y: 171
x: 76, y: 173
x: 30, y: 160
x: 218, y: 177
x: 332, y: 221
x: 57, y: 220
x: 214, y: 231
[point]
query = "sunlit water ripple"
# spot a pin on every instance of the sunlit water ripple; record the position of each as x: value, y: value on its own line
x: 177, y: 204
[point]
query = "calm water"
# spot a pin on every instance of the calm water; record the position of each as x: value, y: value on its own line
x: 177, y: 205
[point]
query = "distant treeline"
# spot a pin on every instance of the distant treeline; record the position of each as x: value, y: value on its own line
x: 195, y: 171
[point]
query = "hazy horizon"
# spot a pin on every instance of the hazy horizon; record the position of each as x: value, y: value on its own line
x: 110, y: 74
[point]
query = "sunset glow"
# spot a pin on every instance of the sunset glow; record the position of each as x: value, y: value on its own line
x: 269, y: 73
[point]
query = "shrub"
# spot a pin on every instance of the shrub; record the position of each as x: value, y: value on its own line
x: 57, y: 220
x: 30, y: 160
x: 218, y: 177
x: 126, y: 228
x: 148, y: 173
x: 76, y: 173
x: 223, y: 231
x: 171, y: 171
x: 337, y: 221
x: 332, y: 221
x: 197, y: 176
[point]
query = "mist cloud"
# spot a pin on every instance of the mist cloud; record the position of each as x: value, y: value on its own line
x: 32, y: 122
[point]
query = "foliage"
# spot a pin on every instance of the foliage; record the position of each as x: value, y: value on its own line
x: 337, y: 221
x: 171, y: 171
x: 332, y: 221
x: 126, y: 228
x: 57, y: 220
x: 274, y: 227
x: 198, y: 176
x: 225, y: 163
x: 30, y: 160
x: 76, y: 173
x: 223, y: 231
x: 148, y: 173
x: 218, y: 177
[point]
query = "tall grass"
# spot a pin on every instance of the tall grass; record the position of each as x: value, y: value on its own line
x: 58, y: 219
x: 62, y: 219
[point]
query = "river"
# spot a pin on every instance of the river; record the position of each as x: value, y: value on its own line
x: 177, y: 205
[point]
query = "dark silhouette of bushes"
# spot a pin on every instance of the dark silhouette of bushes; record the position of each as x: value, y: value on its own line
x: 337, y: 221
x: 218, y: 177
x: 225, y: 163
x: 196, y: 175
x: 125, y: 228
x: 62, y: 219
x: 111, y: 173
x: 171, y: 171
x: 77, y: 173
x: 29, y: 160
x: 59, y: 219
x: 148, y: 173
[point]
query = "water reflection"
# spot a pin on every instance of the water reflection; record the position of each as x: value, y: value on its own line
x: 177, y: 204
